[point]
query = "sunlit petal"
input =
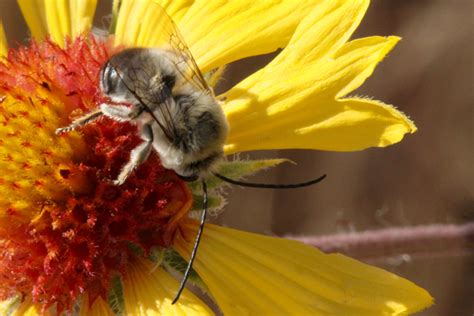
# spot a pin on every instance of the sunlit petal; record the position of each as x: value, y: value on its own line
x: 341, y: 125
x: 98, y: 308
x: 34, y: 13
x: 9, y: 305
x: 81, y: 14
x: 219, y: 32
x: 149, y: 290
x: 324, y: 30
x: 58, y: 19
x: 258, y: 275
x: 209, y: 26
x: 27, y: 308
x: 137, y: 22
x: 176, y: 8
x: 299, y: 94
x: 3, y: 42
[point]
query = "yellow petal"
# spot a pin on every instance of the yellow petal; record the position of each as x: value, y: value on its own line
x: 58, y: 19
x: 298, y: 95
x: 99, y: 308
x: 8, y: 306
x: 250, y: 274
x: 354, y: 124
x: 144, y: 23
x: 27, y: 308
x: 82, y: 15
x: 356, y: 61
x: 209, y: 27
x: 324, y: 30
x: 149, y: 291
x: 3, y: 42
x: 138, y: 22
x: 339, y: 125
x: 220, y: 31
x: 176, y: 8
x: 34, y: 13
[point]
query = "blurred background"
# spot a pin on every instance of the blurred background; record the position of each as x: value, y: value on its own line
x: 426, y: 179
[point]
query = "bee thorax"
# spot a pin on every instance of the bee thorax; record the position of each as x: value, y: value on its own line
x: 176, y: 116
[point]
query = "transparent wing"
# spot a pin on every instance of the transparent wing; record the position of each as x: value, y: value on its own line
x: 151, y: 96
x: 146, y: 24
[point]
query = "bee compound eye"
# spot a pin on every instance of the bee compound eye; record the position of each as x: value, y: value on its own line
x: 109, y: 79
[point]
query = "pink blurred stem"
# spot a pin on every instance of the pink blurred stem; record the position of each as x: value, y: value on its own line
x: 402, y: 243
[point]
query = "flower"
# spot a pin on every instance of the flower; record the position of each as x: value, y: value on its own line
x: 69, y: 239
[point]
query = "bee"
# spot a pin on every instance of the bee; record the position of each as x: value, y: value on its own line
x: 175, y: 111
x: 173, y: 107
x: 179, y: 118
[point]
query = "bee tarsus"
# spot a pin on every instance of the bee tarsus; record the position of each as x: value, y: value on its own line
x: 80, y: 122
x: 120, y: 113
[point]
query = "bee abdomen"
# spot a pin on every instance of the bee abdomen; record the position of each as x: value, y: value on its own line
x: 199, y: 130
x: 197, y: 167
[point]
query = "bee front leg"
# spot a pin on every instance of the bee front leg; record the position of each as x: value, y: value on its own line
x: 120, y: 113
x: 80, y: 122
x: 137, y: 156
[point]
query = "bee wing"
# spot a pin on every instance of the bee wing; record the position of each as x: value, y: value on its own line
x: 158, y: 97
x: 185, y: 62
x: 162, y: 32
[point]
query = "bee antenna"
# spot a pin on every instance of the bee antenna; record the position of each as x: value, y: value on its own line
x: 270, y: 186
x: 196, y: 244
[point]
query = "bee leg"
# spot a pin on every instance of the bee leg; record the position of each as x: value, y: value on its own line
x: 137, y: 156
x: 80, y: 122
x: 120, y: 113
x: 196, y: 243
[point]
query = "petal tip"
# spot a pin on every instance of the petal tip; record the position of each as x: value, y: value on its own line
x: 391, y: 40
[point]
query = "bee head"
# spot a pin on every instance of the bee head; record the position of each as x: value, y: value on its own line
x: 120, y: 79
x: 134, y: 72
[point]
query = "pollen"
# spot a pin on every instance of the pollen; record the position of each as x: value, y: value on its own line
x: 65, y: 229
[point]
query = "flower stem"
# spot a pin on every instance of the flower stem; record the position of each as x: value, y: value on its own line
x: 400, y: 243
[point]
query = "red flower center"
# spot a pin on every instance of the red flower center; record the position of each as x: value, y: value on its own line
x: 65, y: 229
